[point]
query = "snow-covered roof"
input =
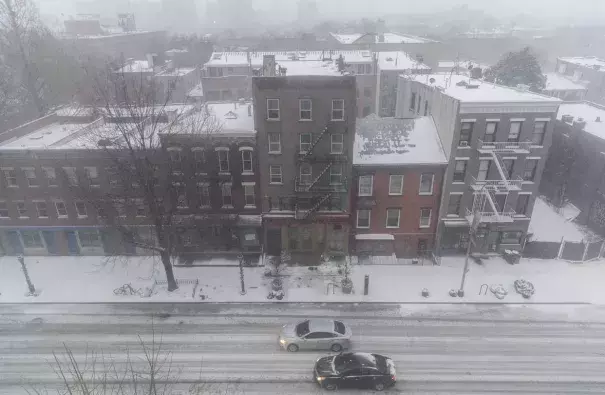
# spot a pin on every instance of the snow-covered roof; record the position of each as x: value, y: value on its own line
x: 548, y: 225
x: 558, y: 82
x: 234, y: 119
x: 470, y: 90
x: 387, y: 38
x: 44, y: 137
x: 448, y: 65
x: 310, y: 67
x: 399, y: 60
x: 197, y: 91
x: 75, y: 111
x: 255, y: 58
x: 176, y: 72
x: 136, y: 66
x: 397, y: 141
x: 586, y: 61
x: 589, y: 112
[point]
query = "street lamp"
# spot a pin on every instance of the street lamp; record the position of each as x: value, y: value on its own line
x: 30, y: 285
x: 241, y: 274
x: 471, y: 239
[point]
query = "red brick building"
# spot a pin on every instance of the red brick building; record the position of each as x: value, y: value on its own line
x: 398, y: 167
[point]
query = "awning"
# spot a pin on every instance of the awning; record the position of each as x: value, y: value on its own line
x: 374, y: 236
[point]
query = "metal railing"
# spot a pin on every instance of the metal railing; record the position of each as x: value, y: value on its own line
x: 320, y: 188
x: 516, y: 146
x: 510, y: 185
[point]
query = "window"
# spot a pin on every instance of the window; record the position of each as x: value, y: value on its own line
x: 22, y: 209
x: 393, y: 217
x: 419, y: 101
x: 511, y: 237
x: 360, y: 68
x: 275, y: 175
x: 367, y: 92
x: 368, y: 69
x: 515, y: 132
x: 200, y: 160
x: 426, y: 108
x: 274, y: 143
x: 537, y: 137
x: 215, y: 71
x: 338, y: 110
x: 490, y: 132
x: 366, y: 185
x: 522, y: 203
x: 223, y: 160
x: 466, y: 131
x: 203, y: 191
x: 509, y: 167
x: 140, y: 209
x: 61, y: 209
x: 3, y: 210
x: 425, y: 217
x: 112, y: 174
x: 305, y: 108
x: 306, y: 174
x: 460, y: 171
x: 51, y: 176
x: 226, y: 191
x: 175, y: 155
x: 453, y: 205
x: 72, y: 177
x: 336, y: 143
x: 42, y: 209
x: 484, y: 166
x: 89, y: 238
x: 92, y: 175
x: 529, y: 172
x: 30, y: 175
x: 413, y: 101
x: 81, y: 209
x: 247, y: 161
x: 32, y: 239
x: 305, y: 142
x: 249, y: 199
x: 273, y: 109
x: 10, y: 175
x: 395, y: 185
x: 101, y: 210
x: 215, y: 230
x: 120, y: 206
x: 426, y: 184
x: 336, y: 175
x: 181, y: 198
x: 363, y: 218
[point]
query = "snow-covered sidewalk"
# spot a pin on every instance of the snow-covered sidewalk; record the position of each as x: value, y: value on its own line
x: 91, y: 280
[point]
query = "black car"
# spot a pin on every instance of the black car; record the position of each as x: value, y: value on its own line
x: 354, y: 370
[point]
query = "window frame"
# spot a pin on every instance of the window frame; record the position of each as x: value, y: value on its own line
x: 72, y: 179
x: 526, y: 197
x: 428, y: 222
x: 249, y: 160
x: 341, y: 110
x: 22, y: 209
x: 203, y: 191
x: 273, y: 174
x: 430, y: 192
x: 371, y: 186
x: 467, y: 132
x: 413, y: 102
x: 276, y: 109
x: 83, y: 204
x: 308, y: 145
x: 59, y: 215
x: 511, y: 169
x: 199, y: 159
x: 338, y: 174
x: 4, y: 209
x: 389, y: 210
x: 27, y: 171
x: 29, y: 233
x: 535, y: 163
x: 542, y: 134
x: 302, y: 110
x: 369, y: 218
x: 93, y: 181
x: 492, y: 135
x: 227, y: 187
x: 333, y: 143
x: 37, y: 204
x: 303, y: 177
x: 221, y: 161
x: 459, y: 197
x: 278, y: 142
x: 391, y: 177
x: 10, y: 174
x: 247, y: 188
x: 518, y: 132
x: 454, y: 179
x: 479, y: 170
x: 89, y: 240
x: 51, y: 174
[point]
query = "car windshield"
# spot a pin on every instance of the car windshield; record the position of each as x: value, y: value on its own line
x: 302, y: 329
x: 346, y: 362
x: 339, y: 327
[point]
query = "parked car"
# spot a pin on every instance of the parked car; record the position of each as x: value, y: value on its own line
x: 355, y: 370
x: 315, y: 334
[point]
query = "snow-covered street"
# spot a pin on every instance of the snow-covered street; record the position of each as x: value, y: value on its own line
x: 453, y: 349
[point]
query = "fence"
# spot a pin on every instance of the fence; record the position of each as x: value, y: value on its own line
x: 573, y: 251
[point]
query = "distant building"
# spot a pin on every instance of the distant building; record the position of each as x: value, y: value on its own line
x: 588, y: 71
x: 564, y: 88
x: 496, y: 140
x: 398, y: 167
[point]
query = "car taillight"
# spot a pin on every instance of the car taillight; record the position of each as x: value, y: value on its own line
x: 393, y: 378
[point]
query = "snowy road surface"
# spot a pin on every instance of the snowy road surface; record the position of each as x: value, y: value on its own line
x: 233, y: 348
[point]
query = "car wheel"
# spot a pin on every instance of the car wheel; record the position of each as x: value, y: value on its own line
x: 336, y: 347
x: 292, y: 347
x: 379, y: 387
x: 330, y: 387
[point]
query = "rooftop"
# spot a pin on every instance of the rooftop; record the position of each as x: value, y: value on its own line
x: 176, y: 72
x: 136, y: 66
x: 587, y: 112
x: 470, y: 90
x: 234, y: 119
x: 310, y: 67
x: 388, y: 38
x: 558, y: 82
x: 399, y: 60
x: 586, y: 61
x: 49, y: 136
x: 197, y: 91
x: 397, y: 141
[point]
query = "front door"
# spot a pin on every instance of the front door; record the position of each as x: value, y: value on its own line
x: 49, y: 239
x: 274, y: 246
x: 72, y: 243
x: 352, y: 379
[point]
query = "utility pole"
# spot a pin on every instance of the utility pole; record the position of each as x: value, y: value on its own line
x: 476, y: 221
x: 241, y: 274
x: 30, y: 285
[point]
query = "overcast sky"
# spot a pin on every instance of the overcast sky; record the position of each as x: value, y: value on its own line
x: 560, y: 9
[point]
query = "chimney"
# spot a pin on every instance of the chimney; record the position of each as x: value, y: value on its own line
x: 381, y: 38
x: 150, y: 60
x: 579, y: 124
x: 268, y: 65
x: 249, y: 110
x: 598, y: 119
x: 235, y: 105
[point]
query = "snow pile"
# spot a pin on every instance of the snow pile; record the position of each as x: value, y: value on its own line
x: 550, y: 226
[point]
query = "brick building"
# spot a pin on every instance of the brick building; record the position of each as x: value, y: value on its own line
x: 588, y: 71
x: 305, y: 126
x: 48, y: 163
x: 398, y: 167
x: 496, y: 140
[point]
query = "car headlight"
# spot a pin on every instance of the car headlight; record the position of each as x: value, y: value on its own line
x: 282, y: 341
x: 320, y: 378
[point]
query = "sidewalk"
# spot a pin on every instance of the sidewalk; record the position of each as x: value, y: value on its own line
x: 91, y: 280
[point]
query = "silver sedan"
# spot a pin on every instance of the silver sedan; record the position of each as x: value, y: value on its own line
x: 315, y: 334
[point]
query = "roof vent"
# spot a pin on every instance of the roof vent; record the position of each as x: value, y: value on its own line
x: 432, y: 80
x: 217, y: 56
x: 461, y: 83
x: 598, y: 119
x: 472, y: 86
x: 567, y: 118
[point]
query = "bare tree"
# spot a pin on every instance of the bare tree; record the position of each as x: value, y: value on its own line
x: 148, y: 187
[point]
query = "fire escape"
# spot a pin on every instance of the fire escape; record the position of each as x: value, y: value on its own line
x: 485, y: 207
x: 312, y: 196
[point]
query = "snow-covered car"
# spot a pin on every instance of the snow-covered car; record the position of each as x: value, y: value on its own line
x: 315, y: 334
x: 355, y: 370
